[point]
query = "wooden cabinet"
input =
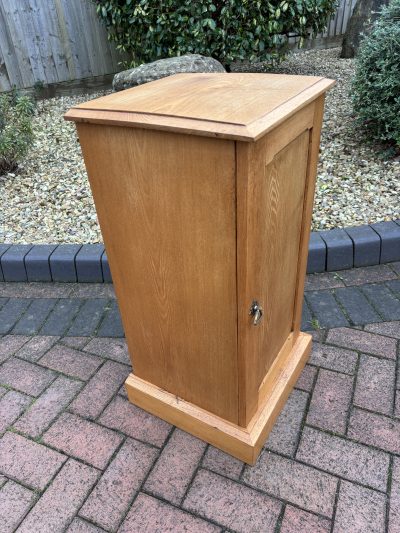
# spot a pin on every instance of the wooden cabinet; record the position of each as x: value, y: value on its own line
x: 203, y: 185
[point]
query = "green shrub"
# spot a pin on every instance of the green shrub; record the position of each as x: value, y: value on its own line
x: 376, y: 85
x: 228, y: 30
x: 16, y: 135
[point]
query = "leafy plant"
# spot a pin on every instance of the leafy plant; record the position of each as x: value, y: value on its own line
x: 376, y: 85
x: 228, y: 30
x: 16, y: 135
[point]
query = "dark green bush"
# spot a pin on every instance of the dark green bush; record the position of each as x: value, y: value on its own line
x: 376, y: 85
x: 228, y: 30
x: 16, y: 135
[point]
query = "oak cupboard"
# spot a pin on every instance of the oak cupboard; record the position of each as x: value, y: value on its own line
x: 203, y: 185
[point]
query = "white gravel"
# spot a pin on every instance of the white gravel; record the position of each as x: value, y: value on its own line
x: 48, y: 200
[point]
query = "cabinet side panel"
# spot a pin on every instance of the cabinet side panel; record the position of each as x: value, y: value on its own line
x: 269, y: 230
x: 166, y: 205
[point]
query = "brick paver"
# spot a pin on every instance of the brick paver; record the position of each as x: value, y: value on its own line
x: 135, y: 422
x: 394, y: 504
x: 15, y: 502
x: 285, y: 433
x: 36, y: 347
x: 71, y: 362
x: 361, y: 340
x: 76, y: 456
x: 344, y: 458
x: 231, y: 504
x: 25, y: 377
x: 59, y: 504
x: 375, y: 384
x: 330, y: 401
x: 12, y: 405
x: 333, y: 358
x: 28, y: 462
x: 10, y: 344
x: 115, y: 349
x: 150, y: 514
x: 299, y: 484
x: 375, y: 430
x: 100, y: 389
x: 175, y: 467
x: 296, y: 521
x: 111, y: 498
x: 359, y: 510
x: 83, y: 439
x: 46, y: 408
x: 222, y: 463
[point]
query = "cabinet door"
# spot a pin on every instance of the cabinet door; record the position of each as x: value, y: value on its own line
x: 167, y: 209
x: 271, y: 189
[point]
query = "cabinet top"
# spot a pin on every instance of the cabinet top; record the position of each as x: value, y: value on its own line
x: 231, y: 106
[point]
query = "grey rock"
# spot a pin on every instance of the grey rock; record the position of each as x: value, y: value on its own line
x: 163, y: 68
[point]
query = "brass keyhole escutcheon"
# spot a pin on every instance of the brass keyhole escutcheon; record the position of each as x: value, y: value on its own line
x: 256, y: 311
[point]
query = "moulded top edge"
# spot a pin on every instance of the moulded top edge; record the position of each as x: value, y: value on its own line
x: 233, y: 106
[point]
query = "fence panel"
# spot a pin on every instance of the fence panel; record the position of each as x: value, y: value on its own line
x: 51, y: 41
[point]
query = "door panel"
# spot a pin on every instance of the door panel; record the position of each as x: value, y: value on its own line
x: 268, y: 271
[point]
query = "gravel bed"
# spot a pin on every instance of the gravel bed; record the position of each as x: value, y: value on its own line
x: 49, y: 201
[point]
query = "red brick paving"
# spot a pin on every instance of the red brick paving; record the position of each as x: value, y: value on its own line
x: 15, y: 502
x: 82, y: 439
x: 302, y: 485
x: 100, y: 389
x: 10, y: 344
x: 375, y: 430
x: 111, y: 498
x: 285, y: 433
x: 344, y: 458
x: 76, y: 456
x: 306, y: 379
x: 12, y: 405
x: 331, y: 401
x: 36, y: 347
x: 359, y: 510
x: 25, y: 377
x: 71, y: 362
x: 394, y: 502
x: 375, y: 385
x: 295, y: 521
x: 27, y: 461
x: 149, y: 514
x: 222, y: 463
x: 363, y: 341
x: 115, y: 349
x: 175, y: 467
x: 391, y: 329
x: 135, y: 422
x: 46, y: 408
x: 62, y: 500
x: 332, y: 358
x: 231, y: 504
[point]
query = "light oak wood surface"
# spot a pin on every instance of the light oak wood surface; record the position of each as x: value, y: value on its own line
x: 199, y: 223
x: 244, y: 443
x: 166, y: 207
x: 234, y: 106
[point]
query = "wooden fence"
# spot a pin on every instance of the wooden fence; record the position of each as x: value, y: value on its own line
x: 53, y: 41
x: 50, y: 41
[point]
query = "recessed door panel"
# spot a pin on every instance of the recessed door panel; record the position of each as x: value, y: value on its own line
x: 268, y: 264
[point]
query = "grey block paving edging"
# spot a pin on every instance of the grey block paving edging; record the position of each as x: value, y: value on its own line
x: 337, y: 249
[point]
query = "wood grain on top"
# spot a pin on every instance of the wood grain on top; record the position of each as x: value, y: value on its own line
x: 235, y: 106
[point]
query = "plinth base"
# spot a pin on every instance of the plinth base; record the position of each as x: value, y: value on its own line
x: 245, y: 443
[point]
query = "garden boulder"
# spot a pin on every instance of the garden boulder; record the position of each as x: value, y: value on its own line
x: 163, y: 68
